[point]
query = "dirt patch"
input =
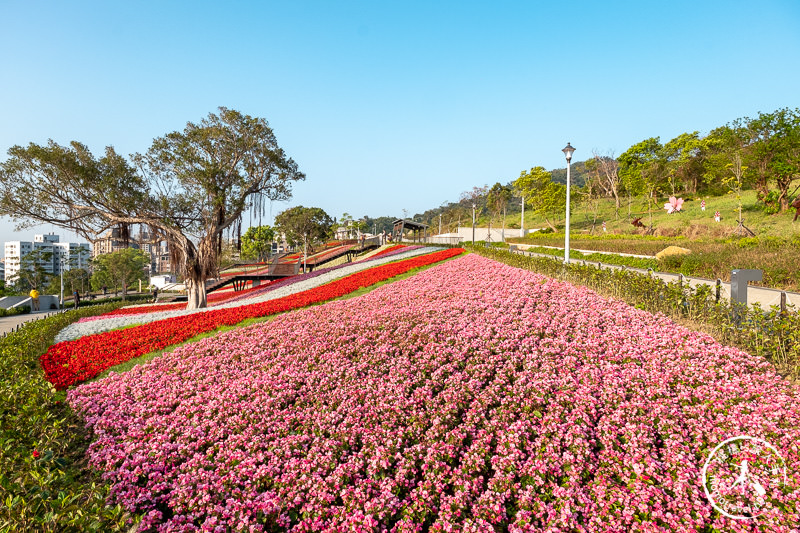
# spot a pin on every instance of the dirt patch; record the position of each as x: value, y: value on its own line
x: 696, y: 230
x: 666, y: 232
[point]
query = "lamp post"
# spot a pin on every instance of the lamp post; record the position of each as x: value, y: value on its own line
x: 568, y: 153
x: 473, y: 223
x: 522, y: 219
x: 440, y: 223
x: 305, y: 251
x: 61, y: 299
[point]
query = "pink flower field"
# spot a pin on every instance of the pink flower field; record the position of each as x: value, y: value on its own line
x: 472, y: 396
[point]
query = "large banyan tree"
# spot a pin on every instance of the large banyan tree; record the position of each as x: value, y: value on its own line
x: 190, y: 189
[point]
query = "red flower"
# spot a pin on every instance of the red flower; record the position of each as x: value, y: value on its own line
x: 35, y: 454
x: 71, y: 362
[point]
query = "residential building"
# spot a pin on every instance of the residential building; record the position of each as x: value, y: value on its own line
x: 110, y: 242
x: 158, y: 251
x: 54, y: 256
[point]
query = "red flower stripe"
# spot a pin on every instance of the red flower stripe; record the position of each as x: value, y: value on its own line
x: 214, y: 297
x: 244, y: 272
x: 386, y: 251
x: 144, y: 309
x: 222, y: 296
x: 71, y: 362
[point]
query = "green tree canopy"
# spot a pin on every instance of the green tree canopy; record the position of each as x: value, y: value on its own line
x: 190, y: 188
x: 257, y: 243
x: 547, y: 198
x: 74, y: 279
x: 304, y: 225
x: 32, y: 272
x: 120, y: 269
x: 773, y: 155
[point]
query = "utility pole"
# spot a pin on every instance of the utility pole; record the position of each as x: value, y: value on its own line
x: 440, y: 223
x: 522, y: 220
x: 473, y: 223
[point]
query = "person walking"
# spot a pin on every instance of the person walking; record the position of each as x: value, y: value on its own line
x: 34, y: 294
x: 77, y: 297
x: 155, y: 294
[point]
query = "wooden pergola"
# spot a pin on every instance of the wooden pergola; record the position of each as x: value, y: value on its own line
x: 401, y: 224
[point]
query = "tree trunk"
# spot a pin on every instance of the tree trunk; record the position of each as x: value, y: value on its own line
x: 550, y: 224
x: 200, y: 263
x: 124, y: 290
x: 196, y: 294
x: 783, y: 189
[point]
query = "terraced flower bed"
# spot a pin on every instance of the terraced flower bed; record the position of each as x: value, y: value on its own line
x: 70, y: 362
x: 389, y: 250
x: 471, y: 397
x: 213, y: 298
x: 276, y: 289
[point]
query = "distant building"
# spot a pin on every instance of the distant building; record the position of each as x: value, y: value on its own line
x: 161, y: 263
x: 158, y: 251
x: 110, y: 242
x: 68, y: 254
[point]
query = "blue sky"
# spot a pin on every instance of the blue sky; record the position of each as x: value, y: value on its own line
x: 394, y: 105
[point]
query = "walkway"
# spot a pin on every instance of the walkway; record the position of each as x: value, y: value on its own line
x: 10, y: 323
x: 764, y: 296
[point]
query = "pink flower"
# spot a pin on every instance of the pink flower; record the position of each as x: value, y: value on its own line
x: 674, y: 205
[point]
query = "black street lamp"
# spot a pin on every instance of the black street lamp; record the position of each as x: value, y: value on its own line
x: 568, y: 150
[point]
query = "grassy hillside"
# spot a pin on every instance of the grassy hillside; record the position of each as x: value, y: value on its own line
x: 691, y: 222
x: 716, y: 247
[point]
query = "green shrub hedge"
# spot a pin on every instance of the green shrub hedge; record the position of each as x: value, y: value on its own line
x: 13, y: 311
x: 610, y: 259
x: 43, y: 485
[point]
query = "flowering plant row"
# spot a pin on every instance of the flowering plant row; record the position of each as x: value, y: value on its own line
x: 140, y: 309
x: 71, y: 362
x: 325, y: 271
x: 471, y: 397
x: 213, y: 298
x: 771, y: 333
x: 278, y: 289
x: 261, y: 270
x: 388, y: 250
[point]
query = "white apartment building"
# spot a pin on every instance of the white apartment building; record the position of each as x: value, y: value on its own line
x: 68, y: 254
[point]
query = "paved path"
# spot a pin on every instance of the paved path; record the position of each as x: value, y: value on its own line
x: 762, y: 295
x: 10, y: 323
x: 528, y: 246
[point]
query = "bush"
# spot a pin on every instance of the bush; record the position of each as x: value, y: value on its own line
x: 42, y: 442
x: 747, y: 242
x: 13, y: 311
x: 610, y: 259
x: 671, y: 263
x: 691, y: 265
